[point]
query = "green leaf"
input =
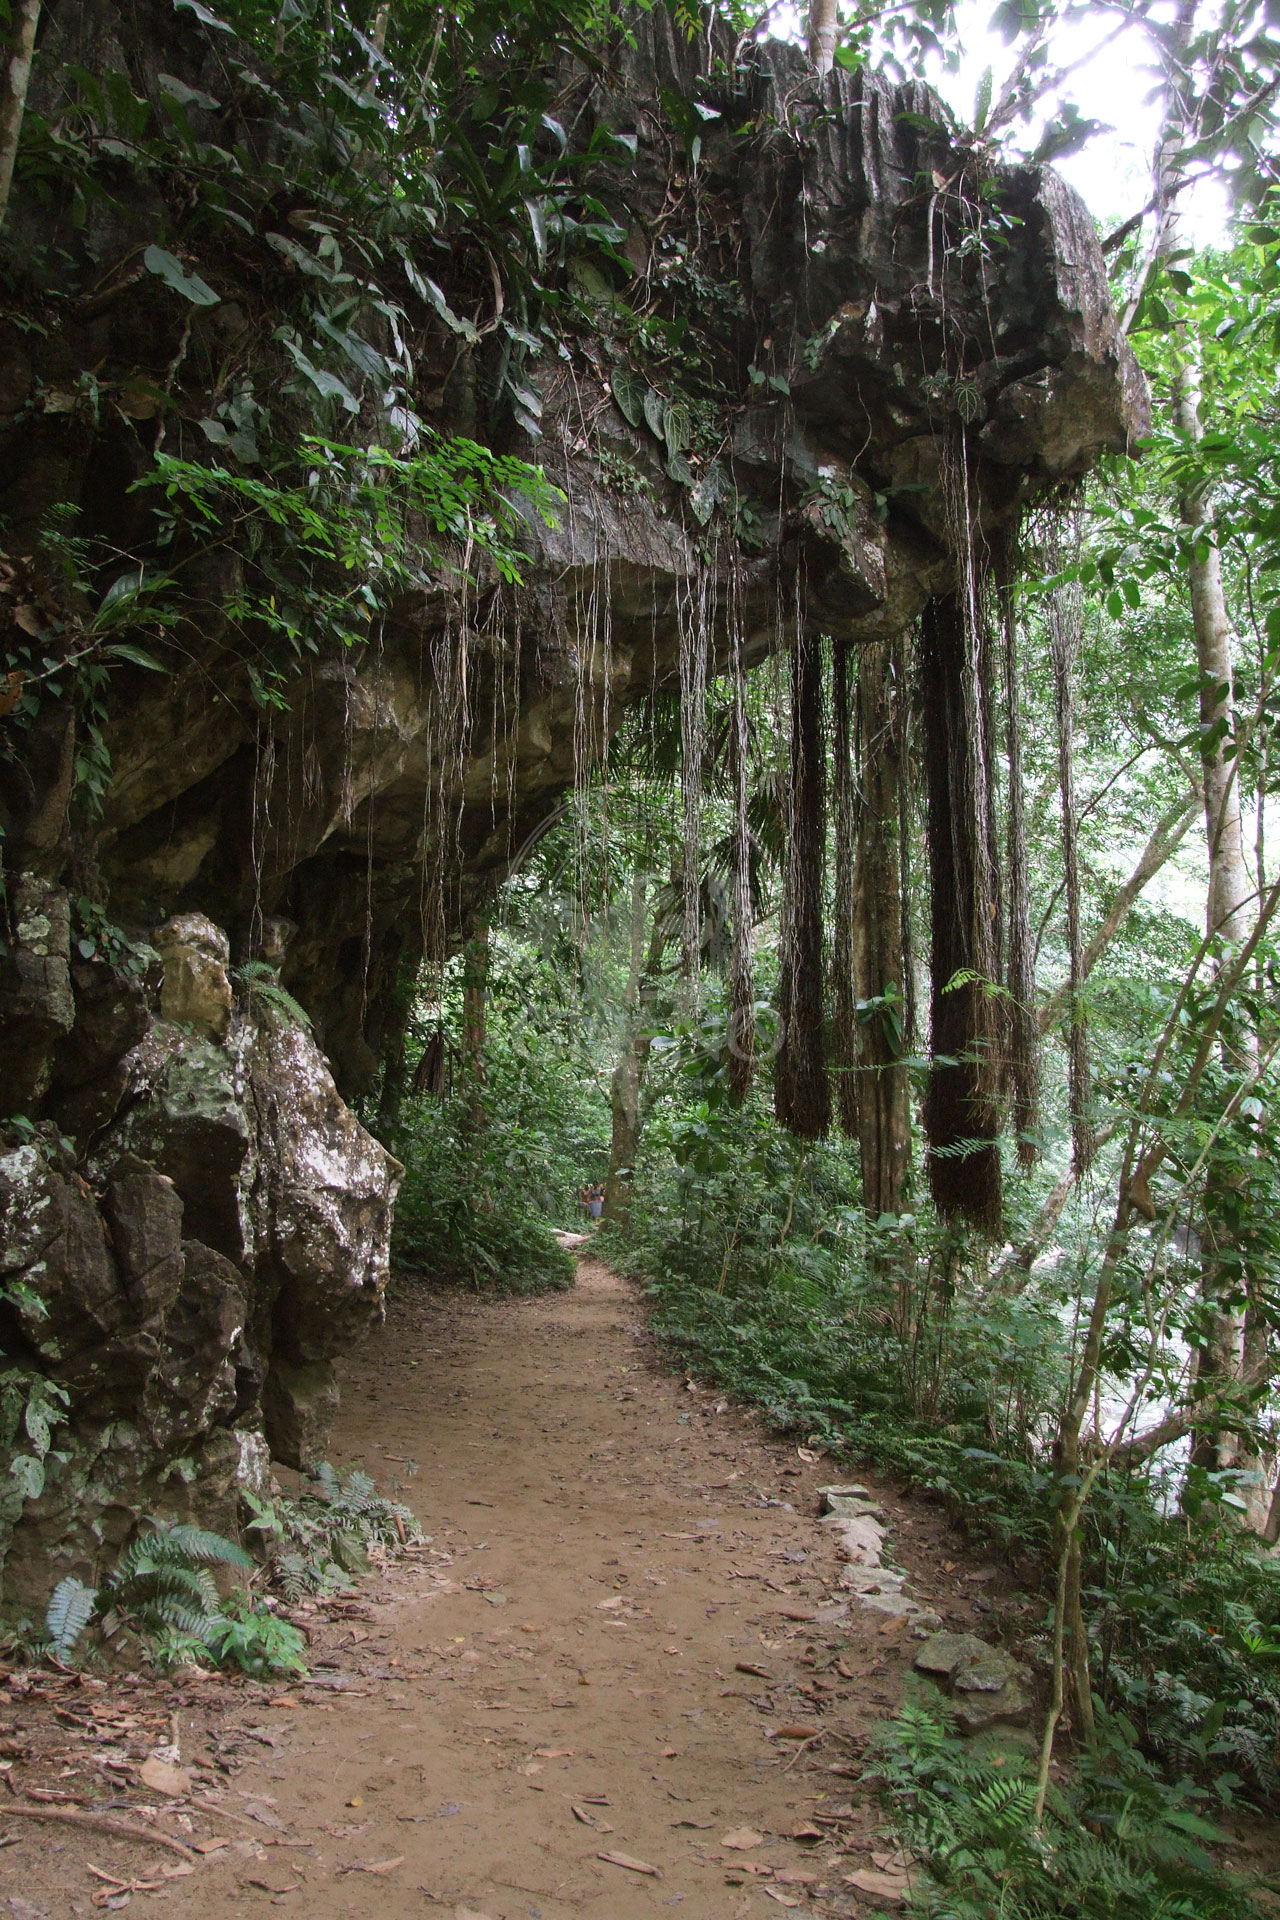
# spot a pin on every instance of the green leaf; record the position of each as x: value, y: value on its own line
x: 303, y: 259
x: 537, y: 212
x: 29, y: 1474
x: 628, y: 393
x: 327, y: 384
x: 675, y: 428
x: 712, y: 487
x: 175, y: 275
x: 982, y: 101
x: 186, y: 96
x: 655, y: 412
x: 122, y: 650
x: 204, y: 16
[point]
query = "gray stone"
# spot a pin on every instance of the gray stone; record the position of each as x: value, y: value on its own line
x: 988, y: 1685
x: 299, y: 1406
x: 947, y: 1651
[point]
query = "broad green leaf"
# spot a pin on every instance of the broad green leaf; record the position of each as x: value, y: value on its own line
x: 628, y: 391
x: 171, y: 270
x: 655, y: 412
x: 203, y: 14
x: 184, y: 95
x: 675, y: 427
x: 325, y: 383
x: 29, y: 1474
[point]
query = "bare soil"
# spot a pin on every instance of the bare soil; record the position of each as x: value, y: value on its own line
x: 619, y: 1680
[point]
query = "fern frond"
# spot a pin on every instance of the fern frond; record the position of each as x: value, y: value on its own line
x: 69, y: 1612
x: 182, y: 1542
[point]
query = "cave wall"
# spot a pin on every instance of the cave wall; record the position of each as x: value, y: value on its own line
x: 203, y: 1218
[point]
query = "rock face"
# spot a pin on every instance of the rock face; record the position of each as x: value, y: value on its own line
x: 186, y: 1284
x: 197, y: 1223
x: 989, y: 1689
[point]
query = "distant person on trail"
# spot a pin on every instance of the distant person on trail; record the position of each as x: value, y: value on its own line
x: 595, y: 1201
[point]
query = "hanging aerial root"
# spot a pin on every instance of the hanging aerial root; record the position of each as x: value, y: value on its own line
x: 1022, y: 1041
x: 844, y: 991
x: 1066, y: 617
x: 961, y: 1109
x: 742, y: 991
x: 801, y: 1090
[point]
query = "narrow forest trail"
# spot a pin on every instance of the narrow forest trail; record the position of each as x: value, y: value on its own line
x: 626, y: 1612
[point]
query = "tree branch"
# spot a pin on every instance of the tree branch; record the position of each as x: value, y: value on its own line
x: 1166, y: 836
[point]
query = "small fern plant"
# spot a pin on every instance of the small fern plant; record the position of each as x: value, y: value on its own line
x: 260, y: 982
x: 163, y: 1586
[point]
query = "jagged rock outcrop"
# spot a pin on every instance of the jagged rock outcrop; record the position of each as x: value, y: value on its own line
x: 187, y: 1282
x: 864, y: 296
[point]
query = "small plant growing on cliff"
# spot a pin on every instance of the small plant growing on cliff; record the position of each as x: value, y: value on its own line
x: 163, y: 1587
x: 260, y: 984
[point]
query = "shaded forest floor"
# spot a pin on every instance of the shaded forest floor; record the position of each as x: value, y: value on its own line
x: 621, y: 1678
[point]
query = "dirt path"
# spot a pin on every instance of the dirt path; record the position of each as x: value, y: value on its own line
x: 625, y: 1614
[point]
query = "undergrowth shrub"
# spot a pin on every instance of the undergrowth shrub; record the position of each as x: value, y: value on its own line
x: 844, y: 1336
x: 163, y: 1589
x: 1116, y: 1840
x: 468, y: 1212
x: 320, y: 1540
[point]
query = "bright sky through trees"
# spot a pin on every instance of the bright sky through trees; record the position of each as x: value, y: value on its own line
x: 1112, y: 84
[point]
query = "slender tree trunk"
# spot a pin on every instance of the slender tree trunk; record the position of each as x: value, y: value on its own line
x: 823, y: 21
x: 475, y: 1020
x: 626, y: 1086
x: 884, y: 1119
x: 1221, y: 1359
x: 25, y: 16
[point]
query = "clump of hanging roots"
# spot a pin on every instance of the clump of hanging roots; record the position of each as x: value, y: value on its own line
x: 742, y: 1022
x: 1061, y: 549
x: 844, y: 991
x: 962, y: 1106
x: 801, y: 1089
x: 1022, y: 1050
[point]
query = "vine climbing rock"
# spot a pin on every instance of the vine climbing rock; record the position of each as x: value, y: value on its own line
x: 180, y: 1292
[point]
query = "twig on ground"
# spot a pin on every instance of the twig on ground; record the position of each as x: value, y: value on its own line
x: 100, y: 1823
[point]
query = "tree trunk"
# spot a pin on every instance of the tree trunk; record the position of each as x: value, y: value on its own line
x: 475, y: 1002
x: 823, y: 21
x: 884, y: 1119
x: 13, y: 90
x: 626, y: 1086
x: 1221, y: 1358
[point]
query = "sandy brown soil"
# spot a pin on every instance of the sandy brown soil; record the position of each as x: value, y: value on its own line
x: 624, y: 1638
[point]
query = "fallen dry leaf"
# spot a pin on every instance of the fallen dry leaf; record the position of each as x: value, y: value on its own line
x: 210, y: 1846
x: 783, y: 1899
x: 745, y: 1666
x: 742, y: 1838
x: 796, y: 1733
x: 553, y: 1753
x: 375, y: 1866
x: 893, y: 1887
x: 630, y: 1862
x: 161, y: 1776
x: 294, y: 1886
x: 806, y: 1831
x: 796, y: 1877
